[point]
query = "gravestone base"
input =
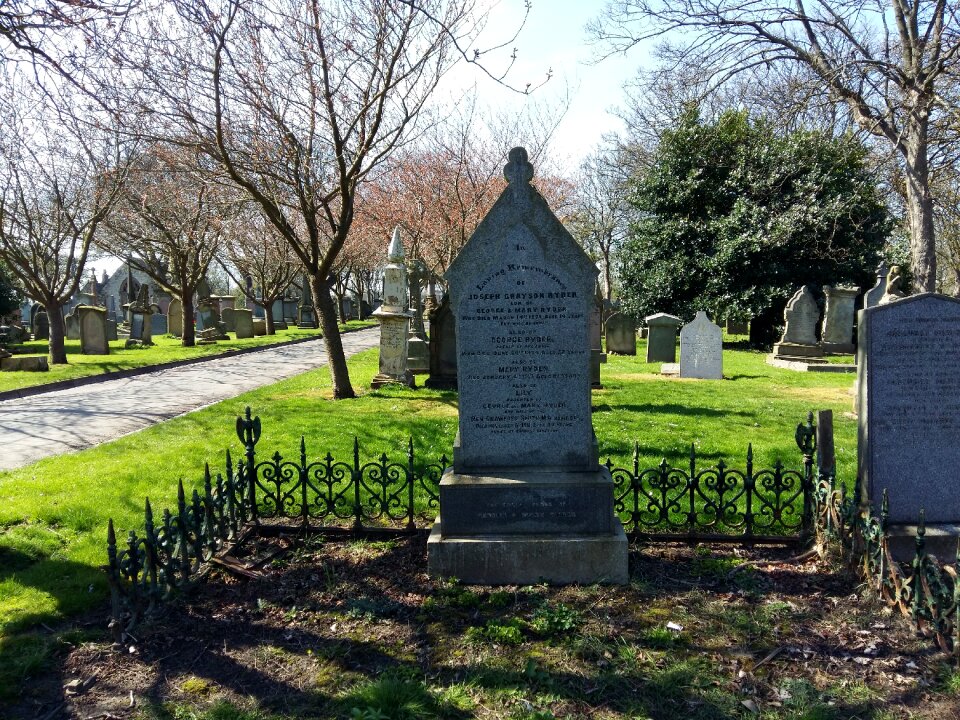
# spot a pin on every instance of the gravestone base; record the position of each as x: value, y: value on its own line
x: 796, y: 350
x: 24, y: 364
x: 529, y: 559
x: 838, y: 348
x: 940, y: 539
x: 381, y: 379
x: 524, y: 527
x: 441, y: 382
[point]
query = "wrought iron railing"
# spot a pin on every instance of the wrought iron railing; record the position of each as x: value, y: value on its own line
x: 303, y: 495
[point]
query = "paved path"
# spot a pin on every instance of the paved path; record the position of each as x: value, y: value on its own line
x: 67, y: 420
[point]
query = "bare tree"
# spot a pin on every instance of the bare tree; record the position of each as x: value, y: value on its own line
x: 297, y: 102
x: 170, y: 222
x: 600, y: 216
x: 257, y: 252
x: 884, y: 63
x: 59, y: 179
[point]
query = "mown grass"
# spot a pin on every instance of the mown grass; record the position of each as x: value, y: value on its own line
x: 54, y: 513
x: 166, y: 348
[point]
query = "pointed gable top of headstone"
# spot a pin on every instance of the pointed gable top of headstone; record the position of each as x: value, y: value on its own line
x: 519, y: 205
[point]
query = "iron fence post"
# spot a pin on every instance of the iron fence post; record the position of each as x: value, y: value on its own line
x: 410, y: 481
x: 355, y: 475
x: 248, y: 430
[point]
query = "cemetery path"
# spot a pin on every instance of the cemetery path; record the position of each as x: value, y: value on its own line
x: 58, y: 422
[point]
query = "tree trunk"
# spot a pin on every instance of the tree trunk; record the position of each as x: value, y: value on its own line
x: 327, y: 313
x: 189, y: 338
x: 58, y: 331
x: 923, y: 256
x: 271, y: 329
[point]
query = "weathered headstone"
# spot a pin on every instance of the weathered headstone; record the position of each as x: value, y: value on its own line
x: 141, y: 325
x: 662, y: 337
x: 909, y: 407
x: 259, y: 326
x: 242, y: 322
x: 872, y: 297
x: 701, y: 349
x: 93, y: 330
x: 306, y: 313
x: 277, y: 309
x: 158, y: 324
x: 738, y: 327
x: 24, y: 363
x: 41, y: 326
x: 526, y: 499
x: 800, y: 334
x: 228, y: 317
x: 621, y: 334
x: 175, y: 318
x: 394, y: 318
x: 597, y: 356
x: 111, y: 329
x: 71, y: 324
x: 838, y: 317
x: 443, y: 348
x: 418, y: 349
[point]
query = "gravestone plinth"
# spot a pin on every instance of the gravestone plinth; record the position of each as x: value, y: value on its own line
x: 526, y: 499
x: 701, y: 349
x: 621, y: 334
x: 909, y: 407
x: 838, y: 317
x: 799, y: 339
x: 662, y: 337
x: 92, y: 323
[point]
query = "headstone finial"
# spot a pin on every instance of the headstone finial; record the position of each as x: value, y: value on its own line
x: 518, y: 171
x: 395, y: 251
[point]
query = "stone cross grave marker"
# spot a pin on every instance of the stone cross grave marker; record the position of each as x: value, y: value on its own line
x: 909, y: 420
x: 701, y: 349
x: 526, y: 499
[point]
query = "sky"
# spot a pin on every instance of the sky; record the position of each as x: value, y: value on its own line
x: 554, y: 37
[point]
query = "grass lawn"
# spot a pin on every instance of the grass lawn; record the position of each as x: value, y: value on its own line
x: 53, y: 514
x: 166, y: 348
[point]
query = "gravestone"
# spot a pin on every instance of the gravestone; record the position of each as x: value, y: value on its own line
x: 418, y: 349
x: 526, y: 499
x: 701, y: 349
x: 306, y: 313
x: 259, y: 326
x: 800, y: 334
x: 662, y: 337
x: 71, y: 325
x: 738, y: 327
x: 228, y: 317
x: 597, y: 356
x: 93, y: 330
x: 175, y: 318
x: 838, y: 317
x: 158, y: 324
x: 112, y: 308
x: 41, y: 326
x: 394, y: 318
x: 141, y: 324
x: 621, y: 334
x: 24, y: 363
x: 277, y: 310
x: 111, y: 329
x: 871, y: 298
x: 443, y: 348
x: 242, y: 323
x: 909, y: 407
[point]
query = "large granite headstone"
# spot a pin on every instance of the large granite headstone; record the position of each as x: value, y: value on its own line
x: 662, y: 337
x: 159, y: 324
x: 93, y: 330
x: 800, y: 334
x: 838, y: 317
x: 701, y: 349
x: 621, y: 333
x: 909, y: 407
x: 526, y: 499
x: 443, y: 348
x: 175, y: 318
x: 871, y: 297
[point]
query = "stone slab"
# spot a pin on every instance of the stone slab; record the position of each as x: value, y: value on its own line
x: 25, y: 364
x: 810, y: 365
x: 527, y: 503
x: 529, y: 559
x: 795, y: 350
x: 909, y: 407
x: 940, y: 539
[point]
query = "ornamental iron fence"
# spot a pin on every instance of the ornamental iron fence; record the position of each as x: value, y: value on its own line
x: 254, y: 497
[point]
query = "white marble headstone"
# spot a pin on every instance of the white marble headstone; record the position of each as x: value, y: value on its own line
x: 701, y: 349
